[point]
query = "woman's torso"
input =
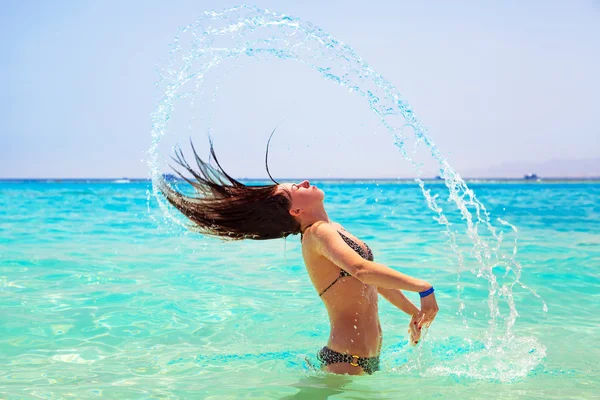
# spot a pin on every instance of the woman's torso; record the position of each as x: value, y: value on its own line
x: 351, y: 305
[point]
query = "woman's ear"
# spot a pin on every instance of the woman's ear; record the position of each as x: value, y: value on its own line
x: 295, y: 212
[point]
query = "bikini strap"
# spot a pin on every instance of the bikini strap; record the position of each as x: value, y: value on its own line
x: 340, y: 276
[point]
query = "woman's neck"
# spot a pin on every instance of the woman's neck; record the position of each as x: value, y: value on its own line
x: 313, y: 217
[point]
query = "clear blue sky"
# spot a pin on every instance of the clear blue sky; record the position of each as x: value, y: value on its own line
x: 496, y: 83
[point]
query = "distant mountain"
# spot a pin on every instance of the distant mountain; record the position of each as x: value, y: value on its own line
x: 585, y: 168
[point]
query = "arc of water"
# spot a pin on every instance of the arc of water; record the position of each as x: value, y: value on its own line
x: 337, y: 62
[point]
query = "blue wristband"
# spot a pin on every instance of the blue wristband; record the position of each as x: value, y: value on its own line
x: 426, y: 292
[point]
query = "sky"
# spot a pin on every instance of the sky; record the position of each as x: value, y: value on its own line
x: 503, y: 88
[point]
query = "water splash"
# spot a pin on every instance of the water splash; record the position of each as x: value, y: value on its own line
x: 247, y: 32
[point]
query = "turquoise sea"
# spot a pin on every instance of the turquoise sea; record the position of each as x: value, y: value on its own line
x: 100, y: 298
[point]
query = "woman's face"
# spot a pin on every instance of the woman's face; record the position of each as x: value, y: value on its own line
x: 303, y: 196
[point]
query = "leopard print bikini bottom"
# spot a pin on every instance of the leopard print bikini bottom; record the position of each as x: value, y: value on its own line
x: 328, y: 356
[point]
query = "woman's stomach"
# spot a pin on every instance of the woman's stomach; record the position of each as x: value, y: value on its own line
x: 355, y: 329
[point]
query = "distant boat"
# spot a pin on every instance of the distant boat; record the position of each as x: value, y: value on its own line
x: 531, y: 177
x: 122, y: 180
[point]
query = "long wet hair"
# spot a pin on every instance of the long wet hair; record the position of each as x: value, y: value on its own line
x: 222, y: 206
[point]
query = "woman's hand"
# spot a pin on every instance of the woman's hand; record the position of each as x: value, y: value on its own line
x: 413, y: 328
x: 429, y: 309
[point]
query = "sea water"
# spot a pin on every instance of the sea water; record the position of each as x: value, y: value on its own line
x: 97, y: 300
x: 103, y: 299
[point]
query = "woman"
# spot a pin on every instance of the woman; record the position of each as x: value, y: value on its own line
x: 340, y: 266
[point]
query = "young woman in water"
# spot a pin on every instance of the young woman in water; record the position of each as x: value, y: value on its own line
x: 340, y: 266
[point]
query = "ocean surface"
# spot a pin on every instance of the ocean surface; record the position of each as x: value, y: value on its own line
x: 100, y: 298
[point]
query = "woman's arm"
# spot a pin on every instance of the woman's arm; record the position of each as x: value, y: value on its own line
x: 332, y: 246
x: 329, y: 244
x: 397, y: 298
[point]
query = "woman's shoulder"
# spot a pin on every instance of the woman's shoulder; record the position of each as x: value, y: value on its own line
x: 322, y: 229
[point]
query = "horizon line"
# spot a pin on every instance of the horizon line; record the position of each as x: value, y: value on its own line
x: 569, y: 178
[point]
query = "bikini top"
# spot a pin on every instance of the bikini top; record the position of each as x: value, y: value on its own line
x: 368, y: 255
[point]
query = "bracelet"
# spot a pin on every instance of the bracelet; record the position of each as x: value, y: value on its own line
x: 426, y: 292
